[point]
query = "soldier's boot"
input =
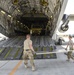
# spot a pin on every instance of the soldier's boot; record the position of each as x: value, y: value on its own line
x: 25, y: 64
x: 68, y: 60
x: 33, y: 68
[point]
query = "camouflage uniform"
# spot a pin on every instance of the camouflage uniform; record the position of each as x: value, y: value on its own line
x: 69, y: 54
x: 27, y: 53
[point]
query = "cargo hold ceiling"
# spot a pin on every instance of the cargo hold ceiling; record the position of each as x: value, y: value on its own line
x: 20, y: 12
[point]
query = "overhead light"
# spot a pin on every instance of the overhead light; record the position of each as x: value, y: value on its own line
x: 44, y: 3
x: 15, y: 2
x: 51, y: 16
x: 17, y: 21
x: 18, y: 10
x: 2, y: 12
x: 21, y: 23
x: 9, y: 16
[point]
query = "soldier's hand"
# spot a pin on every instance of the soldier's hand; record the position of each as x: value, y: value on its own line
x: 34, y: 52
x: 65, y: 48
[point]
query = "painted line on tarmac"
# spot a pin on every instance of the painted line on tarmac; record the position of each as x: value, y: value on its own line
x: 15, y: 68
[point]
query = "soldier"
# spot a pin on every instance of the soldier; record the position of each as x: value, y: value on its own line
x: 70, y: 44
x: 28, y: 52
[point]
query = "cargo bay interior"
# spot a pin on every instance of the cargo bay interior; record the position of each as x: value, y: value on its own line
x: 20, y: 17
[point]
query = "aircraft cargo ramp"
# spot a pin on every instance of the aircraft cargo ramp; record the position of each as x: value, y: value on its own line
x: 12, y: 48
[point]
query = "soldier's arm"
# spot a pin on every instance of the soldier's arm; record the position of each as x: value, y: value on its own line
x: 67, y: 45
x: 31, y: 46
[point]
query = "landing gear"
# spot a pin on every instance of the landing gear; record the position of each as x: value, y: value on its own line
x: 60, y: 41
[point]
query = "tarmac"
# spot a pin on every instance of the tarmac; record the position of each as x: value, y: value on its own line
x: 58, y: 66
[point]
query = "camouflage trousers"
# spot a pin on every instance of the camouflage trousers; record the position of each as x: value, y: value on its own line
x: 28, y: 55
x: 69, y: 54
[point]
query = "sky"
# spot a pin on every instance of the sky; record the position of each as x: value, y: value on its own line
x: 69, y: 10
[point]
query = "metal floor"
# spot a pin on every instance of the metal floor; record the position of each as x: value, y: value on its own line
x: 12, y: 48
x: 57, y: 66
